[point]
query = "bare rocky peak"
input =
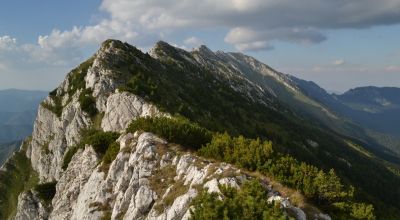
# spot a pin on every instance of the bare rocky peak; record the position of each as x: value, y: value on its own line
x: 205, y: 52
x: 56, y: 134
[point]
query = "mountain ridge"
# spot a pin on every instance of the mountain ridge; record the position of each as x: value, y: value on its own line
x: 120, y: 84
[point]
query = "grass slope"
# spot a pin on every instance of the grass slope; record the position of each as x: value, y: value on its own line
x: 18, y: 177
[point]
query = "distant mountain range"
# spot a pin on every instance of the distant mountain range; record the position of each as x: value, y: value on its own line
x: 375, y: 109
x: 17, y: 112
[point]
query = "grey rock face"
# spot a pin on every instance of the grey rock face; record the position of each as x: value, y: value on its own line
x: 52, y: 136
x: 72, y: 181
x: 122, y: 108
x: 30, y: 207
x: 144, y: 175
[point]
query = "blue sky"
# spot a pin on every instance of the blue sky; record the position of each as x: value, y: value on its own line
x: 338, y: 44
x: 26, y: 20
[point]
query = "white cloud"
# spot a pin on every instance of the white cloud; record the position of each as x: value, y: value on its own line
x: 36, y: 65
x: 266, y: 13
x: 338, y: 62
x: 295, y: 21
x: 392, y: 68
x: 251, y: 24
x: 193, y: 42
x: 253, y: 46
x: 7, y: 43
x: 65, y: 48
x: 89, y: 35
x: 258, y: 40
x: 3, y: 67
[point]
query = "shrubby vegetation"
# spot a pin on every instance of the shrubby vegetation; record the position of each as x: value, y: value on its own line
x: 88, y: 102
x: 111, y: 153
x: 362, y: 211
x: 77, y: 76
x: 99, y: 140
x: 247, y: 203
x: 57, y: 107
x: 177, y: 130
x: 178, y: 86
x: 323, y: 188
x: 141, y: 85
x: 77, y: 82
x: 68, y: 156
x: 46, y: 191
x: 102, y: 142
x: 247, y: 153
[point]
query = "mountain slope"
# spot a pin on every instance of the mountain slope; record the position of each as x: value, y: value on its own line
x: 6, y: 150
x: 218, y: 92
x: 375, y: 108
x: 305, y: 99
x: 364, y: 107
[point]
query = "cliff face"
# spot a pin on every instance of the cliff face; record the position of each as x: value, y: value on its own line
x: 53, y: 134
x: 149, y: 178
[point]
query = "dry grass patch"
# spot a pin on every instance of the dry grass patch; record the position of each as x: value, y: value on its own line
x: 174, y: 192
x: 162, y: 179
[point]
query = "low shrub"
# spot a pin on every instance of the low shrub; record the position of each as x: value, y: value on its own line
x: 46, y: 191
x: 248, y: 202
x: 99, y: 140
x: 247, y: 153
x: 88, y: 102
x: 176, y: 130
x: 68, y: 157
x: 56, y: 108
x: 102, y: 142
x: 111, y: 153
x: 324, y: 188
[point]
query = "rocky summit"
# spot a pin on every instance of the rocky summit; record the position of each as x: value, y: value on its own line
x: 85, y: 160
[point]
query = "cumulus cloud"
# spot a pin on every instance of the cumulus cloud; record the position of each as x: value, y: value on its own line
x: 251, y: 24
x: 257, y: 39
x: 7, y: 43
x: 193, y: 42
x: 79, y: 37
x: 42, y: 64
x: 289, y: 20
x: 338, y: 62
x: 261, y: 13
x: 253, y: 46
x: 64, y: 47
x: 392, y: 68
